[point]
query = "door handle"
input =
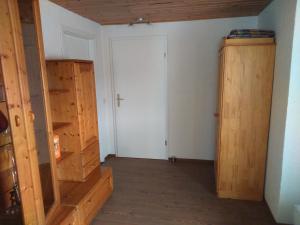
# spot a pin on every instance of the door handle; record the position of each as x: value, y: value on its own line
x: 216, y: 115
x: 119, y: 99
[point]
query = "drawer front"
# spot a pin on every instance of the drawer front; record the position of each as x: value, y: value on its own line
x: 88, y: 168
x: 72, y: 219
x: 95, y: 200
x: 90, y: 153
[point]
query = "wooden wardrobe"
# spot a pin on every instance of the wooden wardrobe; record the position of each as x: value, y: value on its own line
x: 34, y: 188
x: 16, y: 16
x: 245, y: 92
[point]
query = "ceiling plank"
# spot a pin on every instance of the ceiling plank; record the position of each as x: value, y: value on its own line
x: 107, y: 12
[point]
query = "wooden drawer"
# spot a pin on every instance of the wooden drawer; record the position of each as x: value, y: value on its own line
x: 89, y: 196
x: 72, y: 219
x: 90, y: 153
x: 94, y: 200
x: 64, y: 215
x: 89, y: 167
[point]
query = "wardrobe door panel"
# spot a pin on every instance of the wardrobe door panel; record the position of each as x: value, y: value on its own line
x: 219, y: 113
x: 40, y: 103
x: 247, y: 91
x: 86, y: 95
x: 20, y: 112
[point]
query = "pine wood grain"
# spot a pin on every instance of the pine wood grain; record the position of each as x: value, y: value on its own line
x: 73, y: 103
x: 20, y: 112
x: 65, y: 215
x: 50, y: 203
x: 124, y: 12
x: 86, y: 99
x: 19, y: 108
x: 89, y: 196
x: 245, y: 106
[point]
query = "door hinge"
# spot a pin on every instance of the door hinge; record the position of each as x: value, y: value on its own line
x: 165, y: 54
x: 166, y: 142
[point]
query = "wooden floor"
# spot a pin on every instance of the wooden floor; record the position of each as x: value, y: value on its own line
x: 155, y: 192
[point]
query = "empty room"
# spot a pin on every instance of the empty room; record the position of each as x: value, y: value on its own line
x: 149, y: 112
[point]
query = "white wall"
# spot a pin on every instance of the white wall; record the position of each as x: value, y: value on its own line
x: 59, y: 23
x: 297, y: 215
x: 192, y: 72
x: 283, y: 168
x: 290, y: 187
x: 192, y: 78
x: 192, y: 83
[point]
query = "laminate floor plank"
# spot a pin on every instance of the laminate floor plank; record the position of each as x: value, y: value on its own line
x: 155, y: 192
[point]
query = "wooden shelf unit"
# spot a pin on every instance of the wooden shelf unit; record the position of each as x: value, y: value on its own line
x: 73, y: 101
x: 84, y: 185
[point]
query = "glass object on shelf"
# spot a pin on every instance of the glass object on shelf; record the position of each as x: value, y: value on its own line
x: 57, y: 149
x: 5, y: 138
x: 10, y: 202
x: 2, y: 92
x: 15, y: 200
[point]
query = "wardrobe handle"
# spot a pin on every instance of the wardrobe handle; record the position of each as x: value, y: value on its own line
x: 17, y: 120
x: 32, y: 116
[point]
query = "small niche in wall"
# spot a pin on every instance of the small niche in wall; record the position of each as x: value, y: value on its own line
x: 77, y: 44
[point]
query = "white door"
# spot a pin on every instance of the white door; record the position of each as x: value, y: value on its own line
x: 139, y: 68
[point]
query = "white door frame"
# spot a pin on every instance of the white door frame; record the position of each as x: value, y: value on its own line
x: 165, y: 82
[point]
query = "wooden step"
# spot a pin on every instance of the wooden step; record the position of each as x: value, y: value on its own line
x: 89, y: 196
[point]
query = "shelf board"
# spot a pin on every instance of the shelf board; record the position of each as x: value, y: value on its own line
x: 60, y: 125
x: 7, y: 146
x: 64, y: 155
x: 58, y: 91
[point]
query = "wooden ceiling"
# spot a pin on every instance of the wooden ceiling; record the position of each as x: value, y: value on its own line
x: 126, y: 11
